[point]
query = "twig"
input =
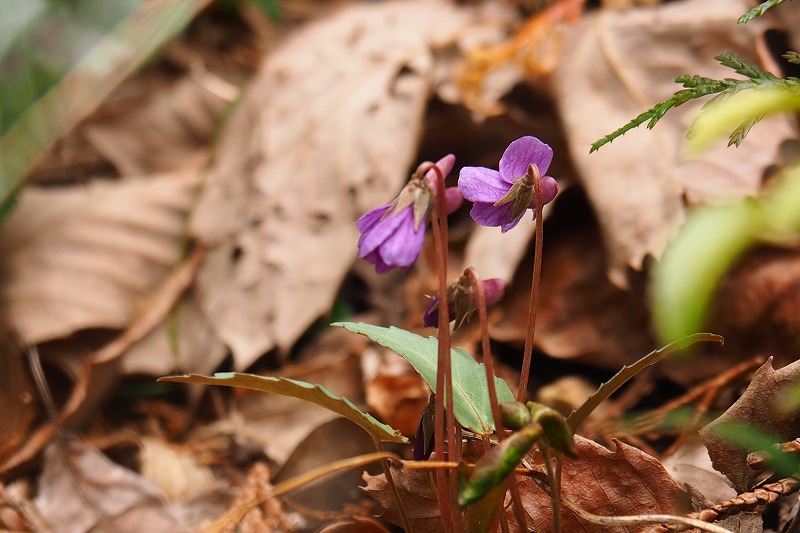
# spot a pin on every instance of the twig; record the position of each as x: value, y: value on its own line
x: 387, y: 471
x: 633, y: 520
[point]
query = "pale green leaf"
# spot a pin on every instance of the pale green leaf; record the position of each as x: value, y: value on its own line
x: 710, y: 241
x: 718, y: 118
x: 470, y: 391
x: 298, y: 389
x: 117, y: 54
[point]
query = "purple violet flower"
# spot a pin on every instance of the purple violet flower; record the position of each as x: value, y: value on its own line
x: 392, y: 235
x: 462, y: 300
x: 501, y: 198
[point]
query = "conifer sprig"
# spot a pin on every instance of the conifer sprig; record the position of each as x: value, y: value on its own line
x: 698, y: 86
x: 759, y: 10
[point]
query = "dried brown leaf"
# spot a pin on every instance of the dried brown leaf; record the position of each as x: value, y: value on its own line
x: 419, y: 497
x: 755, y: 305
x: 580, y: 314
x: 86, y: 491
x: 760, y: 408
x: 185, y: 342
x: 619, y: 64
x: 81, y: 257
x: 327, y: 130
x: 625, y: 481
x: 170, y: 124
x: 17, y: 395
x: 691, y: 465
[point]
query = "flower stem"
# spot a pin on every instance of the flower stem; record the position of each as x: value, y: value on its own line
x: 522, y: 394
x: 488, y: 365
x: 443, y: 417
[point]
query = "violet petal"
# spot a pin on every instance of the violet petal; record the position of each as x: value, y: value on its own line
x: 375, y: 235
x: 431, y: 317
x: 372, y: 216
x: 480, y: 184
x: 403, y: 245
x: 492, y: 215
x: 520, y: 154
x: 445, y: 164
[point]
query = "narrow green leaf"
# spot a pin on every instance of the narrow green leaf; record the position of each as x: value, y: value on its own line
x: 297, y: 389
x: 576, y: 419
x: 759, y: 10
x: 495, y: 467
x: 470, y: 391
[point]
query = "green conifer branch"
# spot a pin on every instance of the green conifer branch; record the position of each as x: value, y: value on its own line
x: 698, y: 86
x: 759, y: 10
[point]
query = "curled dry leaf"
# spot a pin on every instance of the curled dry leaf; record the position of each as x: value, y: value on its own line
x: 327, y: 130
x: 691, y: 466
x: 762, y: 407
x: 620, y: 63
x: 79, y: 258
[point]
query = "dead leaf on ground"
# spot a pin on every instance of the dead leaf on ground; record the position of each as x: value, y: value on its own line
x: 185, y: 342
x: 172, y: 123
x: 760, y: 408
x: 621, y: 63
x: 98, y: 494
x: 327, y: 130
x: 418, y: 494
x: 80, y: 258
x: 331, y: 441
x: 755, y: 305
x: 691, y: 465
x: 18, y: 397
x: 625, y: 481
x: 580, y: 314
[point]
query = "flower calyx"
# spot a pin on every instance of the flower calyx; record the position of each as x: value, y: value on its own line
x: 462, y: 299
x: 521, y: 193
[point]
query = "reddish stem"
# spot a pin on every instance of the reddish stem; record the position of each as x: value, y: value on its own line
x: 443, y: 414
x: 522, y: 394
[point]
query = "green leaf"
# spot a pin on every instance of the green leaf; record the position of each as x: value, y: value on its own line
x: 495, y: 467
x: 712, y: 238
x: 118, y: 47
x: 470, y: 391
x: 297, y: 389
x: 741, y: 111
x: 759, y: 10
x: 576, y: 419
x: 698, y: 87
